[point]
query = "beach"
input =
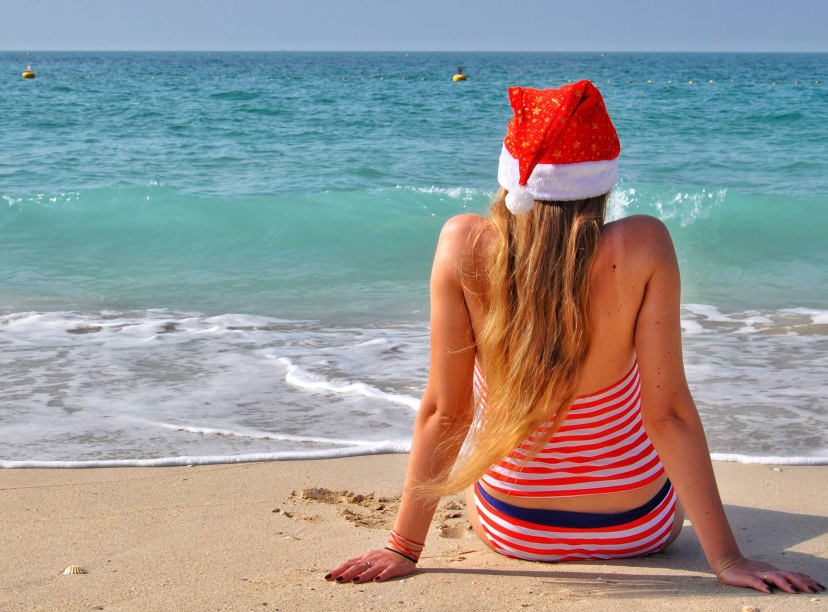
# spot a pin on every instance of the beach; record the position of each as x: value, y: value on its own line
x: 262, y: 535
x: 214, y: 295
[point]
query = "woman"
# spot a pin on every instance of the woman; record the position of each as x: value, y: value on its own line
x: 532, y: 311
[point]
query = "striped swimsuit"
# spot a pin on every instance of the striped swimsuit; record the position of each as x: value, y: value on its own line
x: 600, y: 447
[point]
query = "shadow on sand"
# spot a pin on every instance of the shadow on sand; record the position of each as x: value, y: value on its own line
x: 764, y: 535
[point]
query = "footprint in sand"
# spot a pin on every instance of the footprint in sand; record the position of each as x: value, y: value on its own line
x: 454, y: 532
x: 366, y: 510
x: 296, y: 516
x: 376, y: 512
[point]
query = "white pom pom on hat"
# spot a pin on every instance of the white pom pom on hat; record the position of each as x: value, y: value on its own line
x: 519, y: 200
x: 561, y: 145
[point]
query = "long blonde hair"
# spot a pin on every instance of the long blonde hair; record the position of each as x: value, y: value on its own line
x: 535, y: 336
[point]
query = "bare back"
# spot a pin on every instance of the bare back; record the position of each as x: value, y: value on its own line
x: 618, y: 281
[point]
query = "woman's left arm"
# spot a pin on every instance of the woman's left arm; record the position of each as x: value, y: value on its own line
x: 673, y: 424
x: 445, y: 412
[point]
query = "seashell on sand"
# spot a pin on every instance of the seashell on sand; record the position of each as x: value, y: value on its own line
x: 75, y: 569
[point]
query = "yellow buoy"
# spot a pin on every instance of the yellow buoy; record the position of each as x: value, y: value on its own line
x: 459, y: 77
x: 28, y: 74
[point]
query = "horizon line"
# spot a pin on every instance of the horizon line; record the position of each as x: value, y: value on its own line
x: 397, y: 51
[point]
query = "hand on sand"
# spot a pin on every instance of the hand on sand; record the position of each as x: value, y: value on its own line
x: 764, y: 576
x: 377, y: 565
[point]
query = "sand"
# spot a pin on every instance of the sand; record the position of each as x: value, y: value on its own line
x: 261, y: 536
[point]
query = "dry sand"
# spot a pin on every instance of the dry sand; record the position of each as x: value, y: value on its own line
x: 244, y: 537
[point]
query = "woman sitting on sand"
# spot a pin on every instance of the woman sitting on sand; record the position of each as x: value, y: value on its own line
x: 556, y: 356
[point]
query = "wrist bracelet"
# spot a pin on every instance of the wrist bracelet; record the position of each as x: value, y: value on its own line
x: 401, y: 554
x: 401, y: 544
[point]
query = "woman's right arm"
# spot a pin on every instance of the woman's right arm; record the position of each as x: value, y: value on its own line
x: 672, y: 421
x: 445, y: 411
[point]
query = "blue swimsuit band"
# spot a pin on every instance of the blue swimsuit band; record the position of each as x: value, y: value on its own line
x: 581, y: 520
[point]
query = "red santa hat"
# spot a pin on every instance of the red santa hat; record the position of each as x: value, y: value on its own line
x: 560, y: 145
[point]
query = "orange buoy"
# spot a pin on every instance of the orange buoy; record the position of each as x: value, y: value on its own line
x: 28, y: 74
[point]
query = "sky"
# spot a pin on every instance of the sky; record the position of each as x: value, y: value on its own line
x: 415, y: 25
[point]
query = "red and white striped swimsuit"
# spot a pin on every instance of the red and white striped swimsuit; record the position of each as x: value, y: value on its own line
x: 600, y: 447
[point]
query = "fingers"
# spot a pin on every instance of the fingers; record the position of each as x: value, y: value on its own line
x: 778, y: 579
x: 356, y: 570
x: 375, y: 566
x: 747, y: 580
x: 385, y: 574
x: 802, y: 582
x: 336, y: 573
x: 764, y: 578
x: 757, y: 583
x: 352, y: 572
x: 369, y: 574
x: 792, y: 582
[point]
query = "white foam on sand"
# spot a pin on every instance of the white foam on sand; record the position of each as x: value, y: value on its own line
x: 157, y: 387
x: 378, y: 448
x: 365, y: 448
x: 736, y: 458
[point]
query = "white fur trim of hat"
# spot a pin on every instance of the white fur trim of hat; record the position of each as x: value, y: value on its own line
x: 554, y: 182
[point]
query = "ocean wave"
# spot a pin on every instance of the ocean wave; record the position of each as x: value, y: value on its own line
x: 772, y: 117
x: 127, y: 385
x: 269, y: 112
x: 302, y: 379
x: 707, y: 319
x: 262, y: 435
x: 236, y: 94
x: 465, y: 194
x: 379, y: 448
x: 686, y: 206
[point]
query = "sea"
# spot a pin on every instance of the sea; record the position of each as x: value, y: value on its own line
x: 216, y: 257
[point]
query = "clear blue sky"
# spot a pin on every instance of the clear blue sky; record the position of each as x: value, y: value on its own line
x: 531, y: 25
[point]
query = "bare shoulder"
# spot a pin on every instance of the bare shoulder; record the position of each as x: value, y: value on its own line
x: 640, y: 238
x: 462, y: 229
x: 459, y: 247
x: 459, y: 236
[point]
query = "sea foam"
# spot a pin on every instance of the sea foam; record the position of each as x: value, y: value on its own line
x: 296, y: 376
x: 135, y: 386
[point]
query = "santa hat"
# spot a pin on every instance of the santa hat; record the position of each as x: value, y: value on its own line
x: 560, y: 145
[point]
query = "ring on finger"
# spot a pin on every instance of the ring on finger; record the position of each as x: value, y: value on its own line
x: 366, y: 564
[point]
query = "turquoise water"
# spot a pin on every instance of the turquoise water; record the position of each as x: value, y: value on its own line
x: 278, y: 212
